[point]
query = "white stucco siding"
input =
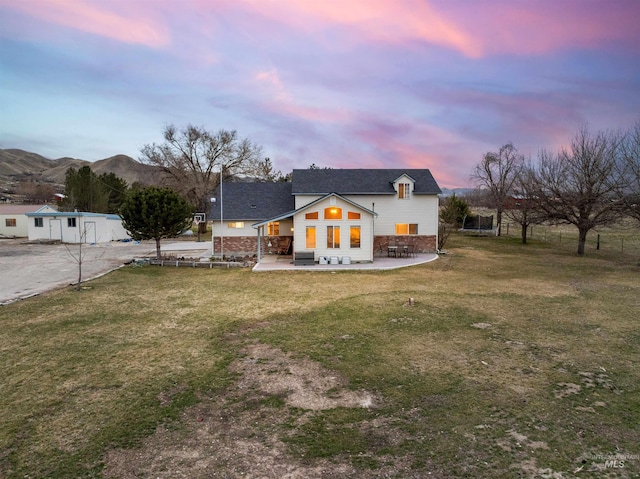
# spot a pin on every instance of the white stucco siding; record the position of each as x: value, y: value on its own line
x: 304, y: 200
x: 419, y: 209
x: 20, y: 229
x: 363, y: 253
x: 89, y: 227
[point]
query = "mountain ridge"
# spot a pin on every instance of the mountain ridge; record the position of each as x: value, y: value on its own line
x: 19, y: 166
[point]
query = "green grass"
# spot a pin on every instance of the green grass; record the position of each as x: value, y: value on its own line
x: 86, y: 372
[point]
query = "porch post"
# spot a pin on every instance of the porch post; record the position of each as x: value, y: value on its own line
x: 259, y: 228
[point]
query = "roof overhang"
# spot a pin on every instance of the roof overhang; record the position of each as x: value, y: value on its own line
x: 310, y: 205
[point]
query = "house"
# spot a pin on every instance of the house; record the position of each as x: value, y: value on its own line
x: 75, y: 226
x: 351, y: 214
x: 13, y: 220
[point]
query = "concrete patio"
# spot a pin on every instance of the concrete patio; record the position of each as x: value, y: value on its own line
x: 285, y: 263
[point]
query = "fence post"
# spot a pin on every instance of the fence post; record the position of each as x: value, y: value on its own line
x: 598, y: 243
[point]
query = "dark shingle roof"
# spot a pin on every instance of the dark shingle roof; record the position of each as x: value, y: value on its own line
x: 252, y: 201
x: 346, y: 182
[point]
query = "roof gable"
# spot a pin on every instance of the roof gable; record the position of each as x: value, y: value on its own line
x: 313, y: 204
x: 21, y: 209
x: 360, y: 181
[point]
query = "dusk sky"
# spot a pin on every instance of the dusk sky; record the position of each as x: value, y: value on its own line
x: 339, y: 83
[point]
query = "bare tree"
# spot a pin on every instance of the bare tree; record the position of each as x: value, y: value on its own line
x: 579, y: 185
x: 523, y: 208
x: 191, y: 156
x: 78, y: 257
x: 629, y: 171
x: 497, y: 173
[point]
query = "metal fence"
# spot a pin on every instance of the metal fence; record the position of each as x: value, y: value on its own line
x: 624, y: 241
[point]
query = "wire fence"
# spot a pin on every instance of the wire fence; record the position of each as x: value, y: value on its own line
x: 623, y: 241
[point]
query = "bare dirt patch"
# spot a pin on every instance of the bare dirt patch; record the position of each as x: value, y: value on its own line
x: 239, y: 434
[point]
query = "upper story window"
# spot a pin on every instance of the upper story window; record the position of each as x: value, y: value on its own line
x: 333, y: 213
x: 71, y: 222
x: 352, y: 215
x: 404, y: 191
x: 311, y: 216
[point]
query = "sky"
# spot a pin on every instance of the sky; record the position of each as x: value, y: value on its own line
x: 336, y: 83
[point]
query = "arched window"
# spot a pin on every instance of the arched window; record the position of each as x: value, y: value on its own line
x: 333, y: 213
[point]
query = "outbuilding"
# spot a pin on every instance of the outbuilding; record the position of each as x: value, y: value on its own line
x: 13, y: 219
x: 75, y: 226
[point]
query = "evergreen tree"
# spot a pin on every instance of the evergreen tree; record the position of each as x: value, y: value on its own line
x: 155, y: 213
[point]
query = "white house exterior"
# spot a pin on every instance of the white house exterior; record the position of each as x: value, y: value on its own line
x: 348, y: 214
x: 75, y: 227
x: 13, y: 219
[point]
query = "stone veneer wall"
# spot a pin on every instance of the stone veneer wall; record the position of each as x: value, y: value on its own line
x: 422, y: 243
x: 247, y: 245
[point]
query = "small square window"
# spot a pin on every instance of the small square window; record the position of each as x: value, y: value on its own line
x: 10, y: 222
x: 71, y: 222
x: 38, y: 222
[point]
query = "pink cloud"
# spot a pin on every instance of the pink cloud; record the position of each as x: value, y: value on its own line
x: 473, y: 29
x: 278, y: 100
x: 523, y: 27
x: 132, y: 25
x: 378, y: 20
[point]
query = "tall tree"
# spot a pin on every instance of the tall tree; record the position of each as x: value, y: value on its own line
x: 579, y: 185
x: 155, y: 213
x: 116, y: 190
x: 453, y: 211
x: 524, y: 209
x: 84, y: 191
x: 194, y: 159
x: 496, y: 173
x: 629, y: 171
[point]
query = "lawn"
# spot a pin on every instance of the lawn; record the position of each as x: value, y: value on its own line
x: 509, y: 361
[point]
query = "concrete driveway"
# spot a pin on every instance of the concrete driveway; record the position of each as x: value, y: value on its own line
x: 27, y: 269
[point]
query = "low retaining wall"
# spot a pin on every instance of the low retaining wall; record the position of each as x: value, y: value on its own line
x: 197, y: 264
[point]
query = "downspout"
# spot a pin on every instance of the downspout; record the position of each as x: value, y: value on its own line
x: 373, y: 230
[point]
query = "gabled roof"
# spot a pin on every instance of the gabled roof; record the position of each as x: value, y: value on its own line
x: 19, y: 209
x: 289, y: 214
x: 252, y: 201
x: 360, y: 181
x: 73, y: 214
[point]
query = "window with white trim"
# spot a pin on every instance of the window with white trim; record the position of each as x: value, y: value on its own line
x: 354, y: 236
x: 236, y: 224
x: 38, y: 222
x: 404, y: 191
x: 273, y: 228
x: 333, y: 237
x: 71, y: 222
x: 10, y: 222
x: 311, y: 237
x: 406, y: 229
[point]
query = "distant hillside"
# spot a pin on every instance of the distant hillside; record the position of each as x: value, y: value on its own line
x: 20, y: 165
